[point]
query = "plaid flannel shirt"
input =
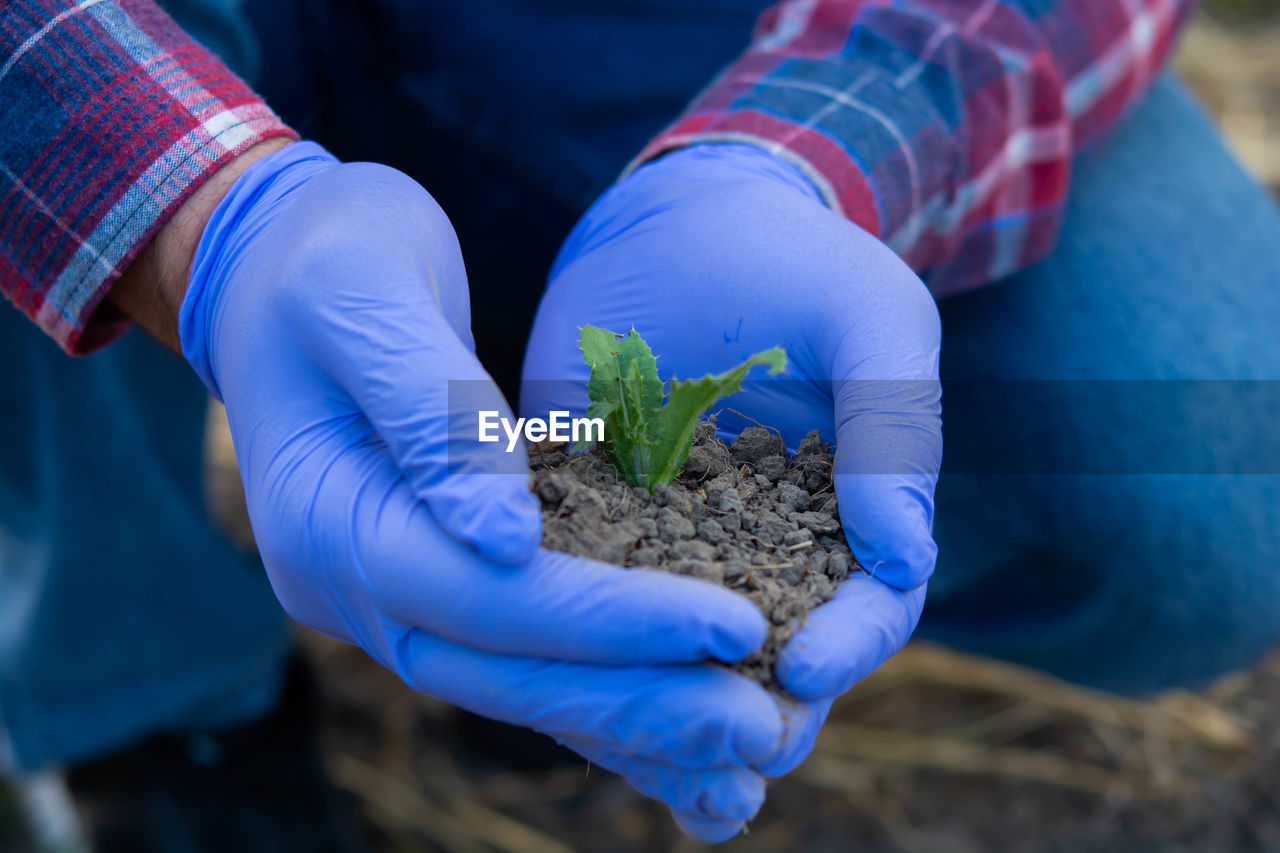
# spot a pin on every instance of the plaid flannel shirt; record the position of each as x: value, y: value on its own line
x: 112, y: 116
x: 944, y: 127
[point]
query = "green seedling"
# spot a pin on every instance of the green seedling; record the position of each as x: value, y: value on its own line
x: 646, y: 440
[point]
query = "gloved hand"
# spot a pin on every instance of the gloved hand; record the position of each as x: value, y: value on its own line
x: 328, y: 309
x: 716, y: 252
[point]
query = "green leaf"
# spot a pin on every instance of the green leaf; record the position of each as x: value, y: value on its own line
x: 646, y: 441
x: 597, y: 409
x: 625, y: 390
x: 688, y: 400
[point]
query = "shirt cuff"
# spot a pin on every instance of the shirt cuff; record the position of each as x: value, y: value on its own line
x: 123, y: 126
x: 70, y: 315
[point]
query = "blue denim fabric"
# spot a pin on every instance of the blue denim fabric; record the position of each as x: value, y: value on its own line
x: 121, y: 611
x: 1167, y: 268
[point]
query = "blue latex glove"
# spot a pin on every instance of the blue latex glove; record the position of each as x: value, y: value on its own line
x: 328, y: 309
x: 716, y: 252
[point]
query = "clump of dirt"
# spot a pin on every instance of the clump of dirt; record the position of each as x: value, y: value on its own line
x: 743, y: 515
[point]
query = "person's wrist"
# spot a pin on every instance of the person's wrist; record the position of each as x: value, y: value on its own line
x: 249, y: 204
x: 151, y: 289
x: 749, y: 161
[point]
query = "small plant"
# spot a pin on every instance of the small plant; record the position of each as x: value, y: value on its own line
x: 647, y: 441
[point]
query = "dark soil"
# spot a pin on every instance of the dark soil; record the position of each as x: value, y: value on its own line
x: 743, y: 515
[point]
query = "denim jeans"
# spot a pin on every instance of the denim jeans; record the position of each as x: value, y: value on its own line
x: 122, y: 612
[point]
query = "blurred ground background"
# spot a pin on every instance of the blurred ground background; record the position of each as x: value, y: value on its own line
x: 937, y: 752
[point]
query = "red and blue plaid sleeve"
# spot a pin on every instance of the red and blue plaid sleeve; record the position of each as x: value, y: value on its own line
x: 112, y: 117
x: 944, y: 127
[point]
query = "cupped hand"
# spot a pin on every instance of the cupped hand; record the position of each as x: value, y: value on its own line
x: 716, y: 252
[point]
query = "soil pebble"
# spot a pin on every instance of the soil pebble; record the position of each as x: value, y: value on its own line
x: 743, y: 515
x: 753, y: 444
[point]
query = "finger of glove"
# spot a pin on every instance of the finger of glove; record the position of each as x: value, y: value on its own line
x: 707, y: 830
x: 887, y: 400
x: 802, y: 721
x: 888, y: 521
x: 477, y: 491
x: 843, y: 641
x: 402, y: 350
x: 731, y: 794
x: 566, y: 607
x: 697, y: 717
